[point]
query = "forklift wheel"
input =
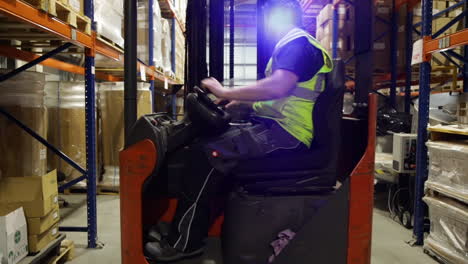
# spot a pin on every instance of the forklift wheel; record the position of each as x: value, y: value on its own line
x: 406, y: 220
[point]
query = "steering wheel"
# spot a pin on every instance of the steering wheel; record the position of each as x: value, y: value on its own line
x: 207, y: 116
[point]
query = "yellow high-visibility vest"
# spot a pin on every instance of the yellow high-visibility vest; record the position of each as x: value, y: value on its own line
x: 294, y: 113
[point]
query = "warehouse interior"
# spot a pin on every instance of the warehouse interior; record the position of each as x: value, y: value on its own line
x: 105, y: 105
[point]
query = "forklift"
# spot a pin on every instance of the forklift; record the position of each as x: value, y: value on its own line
x: 332, y: 184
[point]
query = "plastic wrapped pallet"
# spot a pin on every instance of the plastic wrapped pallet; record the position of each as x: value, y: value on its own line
x: 65, y: 103
x: 20, y: 154
x: 448, y: 169
x: 143, y: 28
x: 111, y: 105
x: 166, y: 46
x: 449, y: 228
x: 109, y: 20
x: 180, y: 54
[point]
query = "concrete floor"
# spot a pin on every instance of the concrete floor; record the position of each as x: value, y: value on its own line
x: 389, y: 238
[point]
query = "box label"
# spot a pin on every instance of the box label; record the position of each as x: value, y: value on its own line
x: 379, y: 46
x: 342, y: 10
x: 142, y: 73
x: 43, y: 154
x: 417, y: 56
x: 383, y: 10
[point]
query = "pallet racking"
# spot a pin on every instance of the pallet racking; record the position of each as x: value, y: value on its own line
x: 63, y: 34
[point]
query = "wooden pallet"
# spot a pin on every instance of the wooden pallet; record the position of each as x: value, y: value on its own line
x: 108, y: 41
x: 436, y: 190
x: 50, y: 251
x: 67, y: 253
x: 106, y: 189
x: 64, y: 12
x: 448, y: 132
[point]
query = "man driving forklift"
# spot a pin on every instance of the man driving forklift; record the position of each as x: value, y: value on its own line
x: 282, y: 104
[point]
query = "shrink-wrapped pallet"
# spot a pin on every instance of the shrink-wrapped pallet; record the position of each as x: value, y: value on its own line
x: 20, y: 154
x: 143, y: 38
x: 166, y: 46
x: 65, y: 103
x: 448, y: 168
x: 109, y: 20
x: 448, y: 237
x: 111, y: 105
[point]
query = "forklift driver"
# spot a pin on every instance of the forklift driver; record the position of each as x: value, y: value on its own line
x: 282, y: 104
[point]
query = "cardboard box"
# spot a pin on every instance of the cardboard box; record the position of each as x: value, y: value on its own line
x: 343, y: 29
x: 13, y: 236
x: 344, y: 13
x: 37, y: 195
x: 38, y: 225
x: 455, y: 12
x: 38, y: 242
x: 384, y: 11
x: 439, y: 23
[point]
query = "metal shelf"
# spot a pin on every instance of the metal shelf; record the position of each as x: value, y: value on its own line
x: 39, y: 19
x: 59, y: 37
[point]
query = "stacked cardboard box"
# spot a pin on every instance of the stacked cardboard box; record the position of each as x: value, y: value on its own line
x: 382, y: 35
x: 345, y: 29
x: 180, y: 54
x: 39, y: 198
x: 346, y: 36
x: 143, y: 30
x: 13, y: 236
x: 438, y: 24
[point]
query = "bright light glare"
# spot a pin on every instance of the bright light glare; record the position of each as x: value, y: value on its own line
x: 280, y: 19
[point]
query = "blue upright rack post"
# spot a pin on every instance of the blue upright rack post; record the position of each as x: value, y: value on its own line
x: 151, y: 47
x: 423, y: 120
x: 409, y: 53
x: 393, y: 55
x: 465, y: 52
x: 90, y: 109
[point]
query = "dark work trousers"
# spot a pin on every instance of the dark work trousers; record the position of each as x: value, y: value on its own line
x: 208, y: 164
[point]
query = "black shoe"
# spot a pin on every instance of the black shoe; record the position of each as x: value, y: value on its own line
x: 162, y: 251
x: 158, y: 232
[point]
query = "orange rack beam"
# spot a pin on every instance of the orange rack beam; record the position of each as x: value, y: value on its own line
x: 446, y: 42
x: 53, y: 63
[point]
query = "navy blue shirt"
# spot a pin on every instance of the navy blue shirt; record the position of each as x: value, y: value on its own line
x: 301, y: 58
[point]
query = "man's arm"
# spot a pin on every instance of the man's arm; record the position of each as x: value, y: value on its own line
x: 280, y: 84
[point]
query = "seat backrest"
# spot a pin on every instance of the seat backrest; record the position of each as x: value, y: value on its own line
x: 327, y: 117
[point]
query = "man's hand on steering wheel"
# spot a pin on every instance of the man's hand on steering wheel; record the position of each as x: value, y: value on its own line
x: 215, y: 87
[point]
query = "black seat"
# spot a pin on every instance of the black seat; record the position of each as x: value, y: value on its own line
x: 313, y: 170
